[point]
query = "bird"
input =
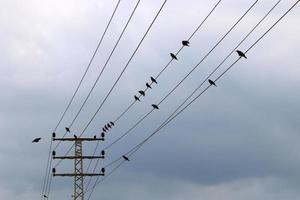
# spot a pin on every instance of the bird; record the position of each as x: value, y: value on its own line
x: 125, y: 158
x: 142, y: 92
x: 212, y: 82
x: 173, y: 56
x: 185, y: 43
x: 36, y: 140
x: 155, y: 106
x: 153, y: 80
x: 136, y: 98
x: 108, y: 125
x: 67, y: 129
x: 148, y: 86
x: 111, y: 123
x: 45, y: 196
x: 241, y: 54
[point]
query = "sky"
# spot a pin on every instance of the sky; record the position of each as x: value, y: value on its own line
x: 239, y: 140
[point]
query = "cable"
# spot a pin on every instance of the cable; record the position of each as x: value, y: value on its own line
x: 127, y: 64
x: 190, y: 72
x: 95, y: 83
x: 167, y: 65
x: 145, y: 116
x: 104, y: 100
x: 135, y: 148
x: 74, y: 94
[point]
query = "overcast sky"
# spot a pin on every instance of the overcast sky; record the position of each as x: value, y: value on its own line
x: 240, y: 140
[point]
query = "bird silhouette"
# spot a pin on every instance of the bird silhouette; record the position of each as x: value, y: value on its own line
x: 36, y: 140
x: 125, y: 158
x: 148, y: 86
x: 241, y: 54
x: 67, y: 129
x: 155, y: 106
x: 142, y: 92
x: 136, y: 98
x: 153, y: 80
x: 108, y: 125
x: 173, y: 56
x: 185, y: 43
x: 111, y: 123
x: 212, y: 82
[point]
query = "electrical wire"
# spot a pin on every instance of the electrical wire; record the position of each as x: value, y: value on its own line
x: 137, y: 147
x: 47, y: 171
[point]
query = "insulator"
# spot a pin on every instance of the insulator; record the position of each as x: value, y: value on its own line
x: 53, y: 170
x: 53, y: 153
x: 103, y: 134
x: 53, y: 134
x: 103, y: 170
x: 102, y: 152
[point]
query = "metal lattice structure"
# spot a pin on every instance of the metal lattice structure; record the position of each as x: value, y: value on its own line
x: 78, y: 164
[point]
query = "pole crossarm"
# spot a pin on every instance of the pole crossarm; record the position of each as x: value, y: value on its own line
x: 78, y: 157
x: 82, y: 174
x: 78, y: 139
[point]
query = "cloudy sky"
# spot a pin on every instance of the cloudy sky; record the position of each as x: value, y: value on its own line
x: 239, y: 140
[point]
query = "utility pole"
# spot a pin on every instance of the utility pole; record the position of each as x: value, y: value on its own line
x: 78, y: 158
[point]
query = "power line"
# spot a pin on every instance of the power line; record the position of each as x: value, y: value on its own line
x: 168, y: 64
x: 156, y: 77
x: 145, y: 116
x: 104, y: 66
x: 120, y: 75
x: 137, y: 147
x: 182, y: 80
x: 46, y: 177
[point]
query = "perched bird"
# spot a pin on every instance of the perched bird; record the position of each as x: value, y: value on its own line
x: 185, y: 43
x: 211, y: 82
x: 241, y: 54
x: 36, y: 140
x: 67, y: 129
x: 155, y: 106
x: 125, y: 158
x: 148, y: 86
x: 136, y: 98
x: 111, y: 123
x: 142, y: 92
x: 173, y: 56
x: 153, y: 80
x: 103, y: 129
x: 108, y: 125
